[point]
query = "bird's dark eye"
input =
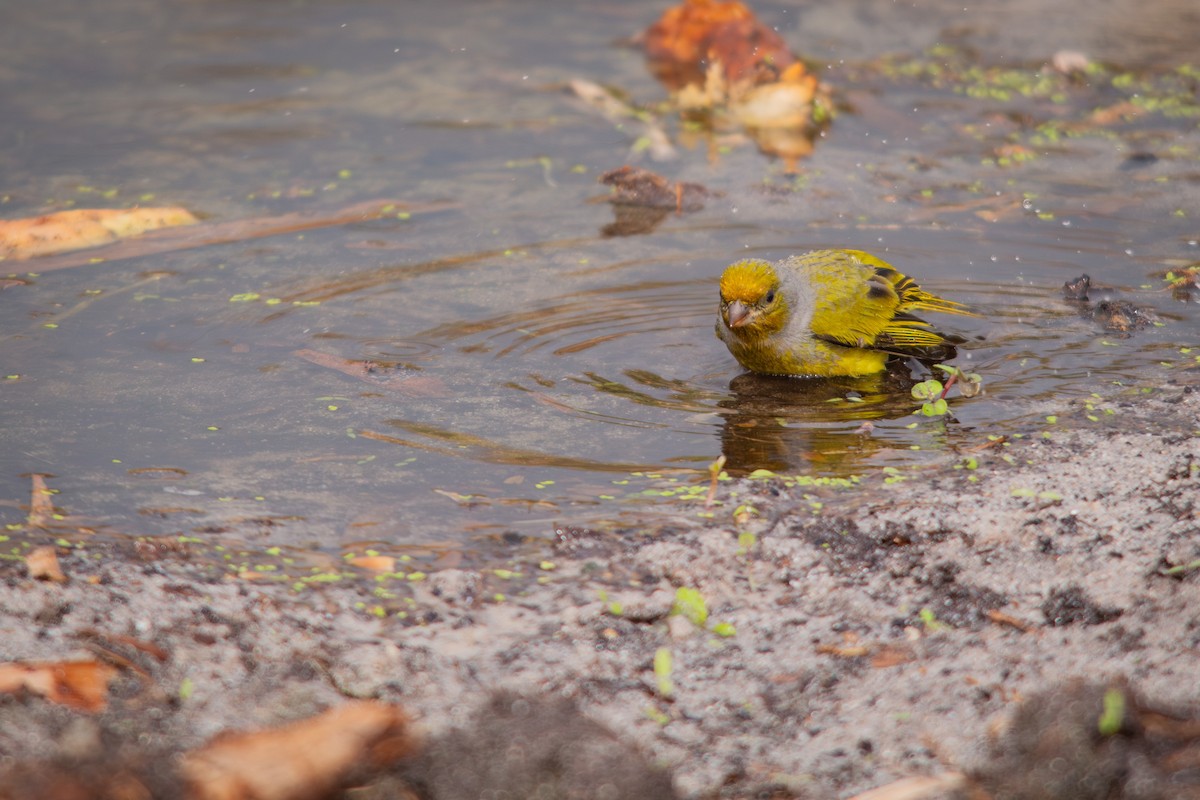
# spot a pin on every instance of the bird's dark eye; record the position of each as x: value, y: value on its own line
x: 770, y: 298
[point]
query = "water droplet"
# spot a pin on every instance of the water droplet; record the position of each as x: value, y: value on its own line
x: 1027, y: 204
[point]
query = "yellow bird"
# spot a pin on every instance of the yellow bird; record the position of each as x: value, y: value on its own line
x: 827, y: 313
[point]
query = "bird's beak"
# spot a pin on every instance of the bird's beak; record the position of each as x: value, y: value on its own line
x: 737, y: 314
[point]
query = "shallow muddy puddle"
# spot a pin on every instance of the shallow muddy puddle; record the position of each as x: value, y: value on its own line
x: 530, y: 371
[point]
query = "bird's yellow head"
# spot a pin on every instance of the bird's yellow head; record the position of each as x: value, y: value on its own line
x: 751, y: 302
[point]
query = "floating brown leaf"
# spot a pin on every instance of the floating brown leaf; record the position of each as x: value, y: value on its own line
x: 304, y: 760
x: 700, y: 32
x: 82, y: 685
x: 77, y: 229
x: 720, y: 61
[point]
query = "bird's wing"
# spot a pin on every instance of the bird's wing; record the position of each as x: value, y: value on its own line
x: 854, y: 304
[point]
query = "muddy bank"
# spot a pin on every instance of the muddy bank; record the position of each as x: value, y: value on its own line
x: 853, y: 635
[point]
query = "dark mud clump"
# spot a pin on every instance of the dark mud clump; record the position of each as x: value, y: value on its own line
x: 1094, y: 740
x: 537, y: 748
x: 1070, y: 605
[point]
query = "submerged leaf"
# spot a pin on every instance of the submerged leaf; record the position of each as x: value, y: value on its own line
x: 77, y: 229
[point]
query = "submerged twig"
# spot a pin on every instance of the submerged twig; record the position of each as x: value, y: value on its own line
x: 620, y: 113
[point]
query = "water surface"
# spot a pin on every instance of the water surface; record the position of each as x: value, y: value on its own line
x: 531, y: 369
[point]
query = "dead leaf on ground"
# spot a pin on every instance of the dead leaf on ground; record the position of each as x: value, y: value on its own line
x: 885, y: 656
x: 374, y: 563
x: 882, y: 655
x: 81, y: 685
x: 1000, y: 618
x: 918, y: 787
x: 138, y: 645
x: 42, y: 563
x: 306, y: 759
x: 852, y: 651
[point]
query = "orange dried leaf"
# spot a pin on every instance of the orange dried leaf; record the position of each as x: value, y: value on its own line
x: 77, y: 229
x: 375, y: 563
x: 717, y: 56
x: 306, y: 759
x: 700, y: 32
x: 42, y: 563
x: 82, y: 685
x: 1000, y: 618
x: 888, y: 656
x: 786, y: 103
x: 857, y: 651
x: 249, y: 575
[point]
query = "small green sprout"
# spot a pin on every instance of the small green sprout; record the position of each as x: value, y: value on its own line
x: 724, y: 629
x: 663, y: 665
x: 1114, y: 713
x: 655, y: 715
x: 930, y: 620
x: 691, y: 604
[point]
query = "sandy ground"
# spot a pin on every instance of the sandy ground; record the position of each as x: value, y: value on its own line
x: 877, y: 631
